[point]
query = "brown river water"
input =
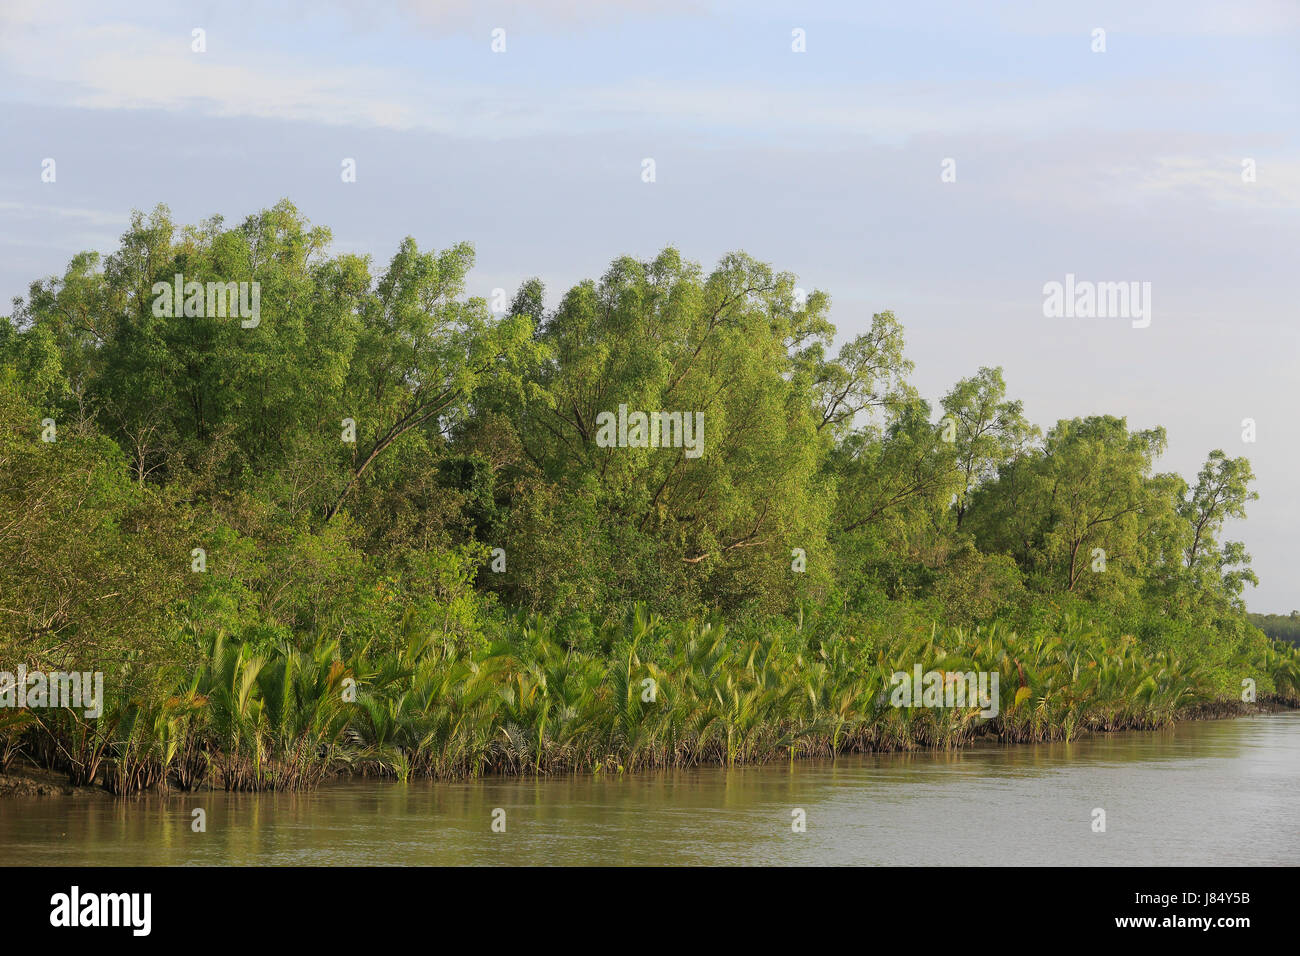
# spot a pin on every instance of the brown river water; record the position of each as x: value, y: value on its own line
x: 1203, y: 793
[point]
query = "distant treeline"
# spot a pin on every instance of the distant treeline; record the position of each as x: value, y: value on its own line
x: 230, y: 437
x: 1280, y: 627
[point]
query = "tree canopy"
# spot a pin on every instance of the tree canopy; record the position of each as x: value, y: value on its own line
x: 381, y: 451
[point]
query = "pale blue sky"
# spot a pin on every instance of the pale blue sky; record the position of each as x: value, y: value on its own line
x: 1123, y: 165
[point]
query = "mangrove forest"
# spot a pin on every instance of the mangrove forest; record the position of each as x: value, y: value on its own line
x: 309, y: 516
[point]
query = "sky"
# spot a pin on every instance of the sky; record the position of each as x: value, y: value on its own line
x: 1123, y: 164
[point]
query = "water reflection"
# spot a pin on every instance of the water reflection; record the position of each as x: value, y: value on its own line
x: 1215, y: 792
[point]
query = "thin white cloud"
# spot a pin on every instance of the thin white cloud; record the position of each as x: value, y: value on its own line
x: 43, y: 212
x: 76, y: 60
x: 1248, y: 18
x: 1219, y: 179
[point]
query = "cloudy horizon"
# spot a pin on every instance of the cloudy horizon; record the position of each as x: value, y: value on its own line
x: 1122, y: 165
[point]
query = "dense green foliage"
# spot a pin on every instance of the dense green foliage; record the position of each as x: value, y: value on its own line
x: 394, y: 488
x: 640, y: 694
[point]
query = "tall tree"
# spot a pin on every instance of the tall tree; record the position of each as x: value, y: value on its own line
x: 986, y: 430
x: 422, y: 351
x: 1080, y: 504
x: 1221, y: 493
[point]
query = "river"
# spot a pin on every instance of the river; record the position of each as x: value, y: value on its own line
x: 1203, y: 793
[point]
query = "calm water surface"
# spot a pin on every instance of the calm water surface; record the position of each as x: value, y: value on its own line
x: 1212, y: 792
